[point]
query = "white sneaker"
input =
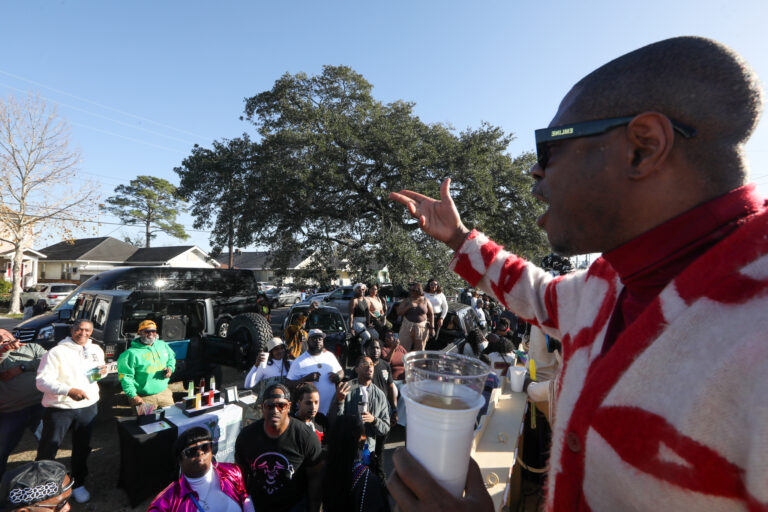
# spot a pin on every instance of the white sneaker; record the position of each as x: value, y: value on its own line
x: 81, y: 494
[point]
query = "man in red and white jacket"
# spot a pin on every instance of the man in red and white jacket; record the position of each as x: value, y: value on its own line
x: 662, y: 400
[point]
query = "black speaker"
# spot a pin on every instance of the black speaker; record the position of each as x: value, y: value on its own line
x: 174, y: 328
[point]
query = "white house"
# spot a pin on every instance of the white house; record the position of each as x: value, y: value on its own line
x: 29, y: 264
x: 80, y: 259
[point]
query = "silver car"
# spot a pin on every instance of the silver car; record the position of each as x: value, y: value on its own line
x: 282, y: 297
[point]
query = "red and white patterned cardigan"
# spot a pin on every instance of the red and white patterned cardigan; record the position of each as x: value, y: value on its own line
x: 675, y: 415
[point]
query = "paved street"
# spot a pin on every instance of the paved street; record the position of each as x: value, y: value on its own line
x: 8, y: 323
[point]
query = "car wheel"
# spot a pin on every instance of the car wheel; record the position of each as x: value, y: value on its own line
x: 296, y: 300
x: 252, y: 332
x: 222, y: 327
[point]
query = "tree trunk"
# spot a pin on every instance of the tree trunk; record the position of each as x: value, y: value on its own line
x: 18, y: 255
x: 231, y: 246
x: 148, y: 235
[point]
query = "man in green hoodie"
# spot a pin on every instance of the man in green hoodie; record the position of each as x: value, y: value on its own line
x: 144, y: 369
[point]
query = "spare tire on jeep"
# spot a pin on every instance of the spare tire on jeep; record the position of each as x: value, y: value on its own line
x: 252, y: 332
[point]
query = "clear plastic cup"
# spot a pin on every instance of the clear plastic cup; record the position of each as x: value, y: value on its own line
x: 443, y: 394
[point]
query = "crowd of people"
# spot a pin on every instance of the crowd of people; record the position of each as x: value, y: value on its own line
x: 310, y: 406
x: 310, y: 409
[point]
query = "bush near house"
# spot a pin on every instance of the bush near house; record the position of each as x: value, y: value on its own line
x: 5, y: 293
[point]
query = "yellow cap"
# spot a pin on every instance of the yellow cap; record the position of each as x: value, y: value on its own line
x: 147, y: 324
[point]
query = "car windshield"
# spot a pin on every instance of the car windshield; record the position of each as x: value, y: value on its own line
x: 69, y: 301
x: 62, y: 288
x: 326, y: 321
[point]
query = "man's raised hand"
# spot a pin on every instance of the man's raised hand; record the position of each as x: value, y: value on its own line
x: 438, y: 218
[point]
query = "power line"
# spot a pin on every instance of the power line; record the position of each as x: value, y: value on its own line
x: 139, y: 141
x: 100, y: 105
x: 66, y: 105
x: 86, y: 221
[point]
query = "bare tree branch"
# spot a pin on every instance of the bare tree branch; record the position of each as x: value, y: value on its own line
x: 36, y: 168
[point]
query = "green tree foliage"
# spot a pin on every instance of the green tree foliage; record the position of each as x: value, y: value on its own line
x: 213, y: 181
x: 151, y: 202
x: 330, y: 154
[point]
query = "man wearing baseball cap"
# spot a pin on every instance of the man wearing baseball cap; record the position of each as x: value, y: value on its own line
x: 42, y: 484
x: 144, y: 369
x: 319, y: 366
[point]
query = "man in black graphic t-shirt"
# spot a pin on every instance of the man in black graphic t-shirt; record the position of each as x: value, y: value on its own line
x: 280, y: 458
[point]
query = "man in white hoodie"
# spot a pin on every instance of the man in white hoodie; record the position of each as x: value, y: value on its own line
x: 67, y: 377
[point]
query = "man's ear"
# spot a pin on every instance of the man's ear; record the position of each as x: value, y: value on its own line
x: 650, y: 136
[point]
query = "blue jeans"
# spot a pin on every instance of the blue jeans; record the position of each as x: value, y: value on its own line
x: 12, y: 425
x: 56, y: 423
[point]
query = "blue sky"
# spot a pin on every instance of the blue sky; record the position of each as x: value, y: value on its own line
x: 141, y: 82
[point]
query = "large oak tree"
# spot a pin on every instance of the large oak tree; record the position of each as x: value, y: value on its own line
x: 328, y: 156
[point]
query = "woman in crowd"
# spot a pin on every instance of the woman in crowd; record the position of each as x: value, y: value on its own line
x: 204, y: 485
x: 436, y: 297
x: 359, y: 312
x: 272, y: 367
x: 307, y: 404
x: 296, y: 337
x: 418, y: 319
x: 349, y: 484
x: 377, y: 307
x: 393, y: 353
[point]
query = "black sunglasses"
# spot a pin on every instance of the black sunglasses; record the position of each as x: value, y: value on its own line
x: 279, y: 405
x: 57, y: 507
x: 587, y: 129
x: 192, y: 450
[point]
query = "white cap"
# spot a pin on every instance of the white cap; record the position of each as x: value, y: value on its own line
x: 316, y: 332
x: 274, y: 342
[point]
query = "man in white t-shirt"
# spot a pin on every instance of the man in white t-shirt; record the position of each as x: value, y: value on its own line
x: 319, y: 366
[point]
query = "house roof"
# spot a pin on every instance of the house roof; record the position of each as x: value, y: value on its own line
x: 157, y: 253
x: 26, y: 251
x: 165, y: 254
x: 259, y: 260
x: 103, y: 248
x: 256, y: 260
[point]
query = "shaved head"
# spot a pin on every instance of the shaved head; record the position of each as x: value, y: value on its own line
x: 695, y: 81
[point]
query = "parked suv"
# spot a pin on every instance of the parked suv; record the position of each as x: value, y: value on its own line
x: 328, y: 320
x: 52, y: 293
x: 458, y: 322
x: 340, y: 298
x: 236, y: 292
